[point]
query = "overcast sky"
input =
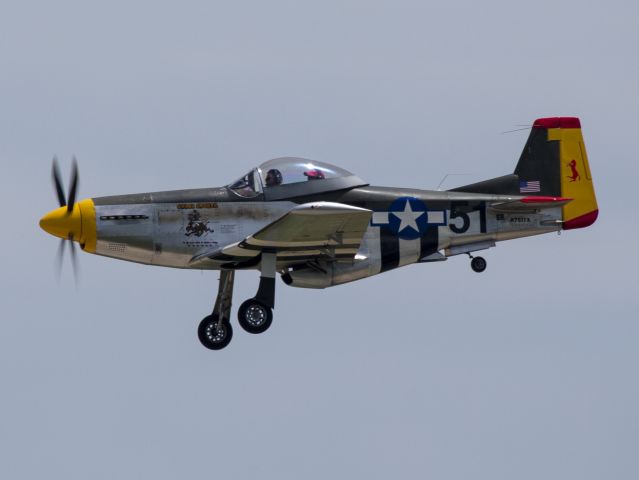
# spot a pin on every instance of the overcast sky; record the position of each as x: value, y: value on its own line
x: 526, y: 371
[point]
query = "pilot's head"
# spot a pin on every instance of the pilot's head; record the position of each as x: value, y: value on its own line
x: 273, y: 177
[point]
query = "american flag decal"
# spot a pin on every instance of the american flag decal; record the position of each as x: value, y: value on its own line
x: 530, y: 186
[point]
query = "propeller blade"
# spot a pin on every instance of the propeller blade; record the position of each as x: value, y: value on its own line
x: 55, y: 173
x: 70, y: 203
x: 74, y: 185
x: 74, y: 261
x: 60, y: 258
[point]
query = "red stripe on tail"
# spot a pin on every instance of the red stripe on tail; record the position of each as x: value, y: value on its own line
x: 582, y: 221
x: 557, y: 122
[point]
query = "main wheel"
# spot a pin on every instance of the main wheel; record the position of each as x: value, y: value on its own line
x: 254, y: 317
x: 478, y: 264
x: 212, y: 335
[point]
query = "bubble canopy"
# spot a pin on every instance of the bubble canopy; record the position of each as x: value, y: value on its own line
x: 289, y: 177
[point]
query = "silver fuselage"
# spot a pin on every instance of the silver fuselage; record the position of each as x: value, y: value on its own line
x: 171, y: 234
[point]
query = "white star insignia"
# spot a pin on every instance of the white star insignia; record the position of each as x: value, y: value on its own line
x: 408, y: 217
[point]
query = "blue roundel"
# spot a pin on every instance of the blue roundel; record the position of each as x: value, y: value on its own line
x: 408, y: 218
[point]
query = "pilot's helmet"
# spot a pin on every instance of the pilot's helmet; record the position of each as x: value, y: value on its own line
x: 314, y: 174
x: 273, y: 177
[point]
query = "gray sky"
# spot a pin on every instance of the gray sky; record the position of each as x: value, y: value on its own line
x: 527, y: 371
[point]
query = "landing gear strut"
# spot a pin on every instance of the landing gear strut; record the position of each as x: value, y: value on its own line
x: 478, y: 264
x: 215, y: 331
x: 256, y: 314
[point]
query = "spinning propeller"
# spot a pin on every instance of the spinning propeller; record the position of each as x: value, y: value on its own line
x: 60, y: 189
x: 66, y: 221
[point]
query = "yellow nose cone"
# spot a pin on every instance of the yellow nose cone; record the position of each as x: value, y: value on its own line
x: 62, y: 223
x: 78, y: 224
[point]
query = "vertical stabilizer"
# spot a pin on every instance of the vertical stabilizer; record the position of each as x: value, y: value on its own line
x: 554, y: 163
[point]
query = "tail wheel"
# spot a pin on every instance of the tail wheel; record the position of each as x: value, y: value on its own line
x: 254, y: 317
x: 212, y: 334
x: 478, y: 264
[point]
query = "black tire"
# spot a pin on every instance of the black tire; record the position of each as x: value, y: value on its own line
x: 212, y: 336
x: 254, y: 317
x: 478, y: 264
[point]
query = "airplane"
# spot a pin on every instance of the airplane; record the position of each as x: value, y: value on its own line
x: 318, y: 225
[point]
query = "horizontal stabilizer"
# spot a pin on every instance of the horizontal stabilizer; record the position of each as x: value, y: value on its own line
x: 529, y: 204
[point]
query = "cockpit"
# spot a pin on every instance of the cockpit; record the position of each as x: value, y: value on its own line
x: 289, y: 177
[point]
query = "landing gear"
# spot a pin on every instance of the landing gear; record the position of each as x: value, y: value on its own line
x: 254, y: 317
x: 478, y: 264
x: 213, y: 334
x: 255, y: 314
x: 215, y: 331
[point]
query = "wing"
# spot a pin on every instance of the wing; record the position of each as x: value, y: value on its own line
x: 306, y: 232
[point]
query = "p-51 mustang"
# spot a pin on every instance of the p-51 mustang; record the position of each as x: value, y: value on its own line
x: 318, y: 225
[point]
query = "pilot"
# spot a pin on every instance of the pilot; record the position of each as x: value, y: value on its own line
x: 314, y: 174
x: 273, y: 177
